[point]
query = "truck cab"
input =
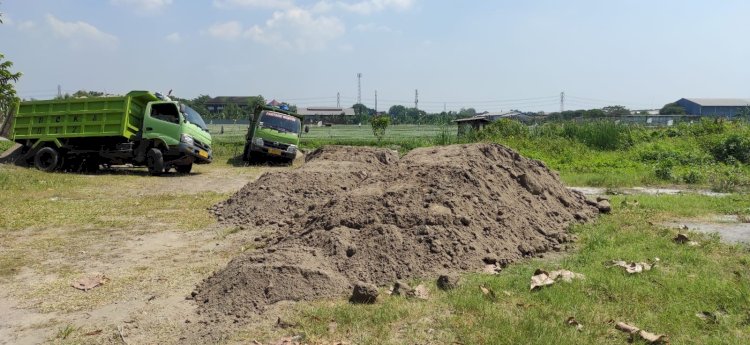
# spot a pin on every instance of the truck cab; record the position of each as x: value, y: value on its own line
x: 273, y: 132
x: 179, y: 131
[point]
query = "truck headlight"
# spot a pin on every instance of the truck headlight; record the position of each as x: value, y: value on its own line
x: 258, y: 141
x: 187, y: 139
x: 292, y: 149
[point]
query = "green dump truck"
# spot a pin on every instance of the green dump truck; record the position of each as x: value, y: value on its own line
x: 140, y: 128
x: 274, y: 133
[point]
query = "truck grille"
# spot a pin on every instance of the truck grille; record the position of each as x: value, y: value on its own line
x: 275, y: 145
x: 201, y: 145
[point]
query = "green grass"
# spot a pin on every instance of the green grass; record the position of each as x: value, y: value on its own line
x: 710, y: 277
x: 4, y: 145
x: 707, y: 154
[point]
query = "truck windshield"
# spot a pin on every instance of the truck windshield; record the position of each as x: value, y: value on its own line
x: 193, y: 117
x: 280, y: 122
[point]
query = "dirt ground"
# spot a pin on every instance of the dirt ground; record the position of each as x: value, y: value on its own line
x: 151, y: 266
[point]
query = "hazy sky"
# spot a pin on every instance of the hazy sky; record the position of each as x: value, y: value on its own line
x: 491, y: 55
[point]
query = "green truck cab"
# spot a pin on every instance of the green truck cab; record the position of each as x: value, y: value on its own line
x: 273, y: 132
x: 140, y: 128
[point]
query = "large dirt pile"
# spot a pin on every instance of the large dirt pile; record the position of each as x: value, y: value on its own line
x: 362, y: 214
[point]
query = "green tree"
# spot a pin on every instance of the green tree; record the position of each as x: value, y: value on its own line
x: 379, y: 125
x: 231, y: 112
x: 8, y: 98
x: 616, y: 110
x: 672, y: 109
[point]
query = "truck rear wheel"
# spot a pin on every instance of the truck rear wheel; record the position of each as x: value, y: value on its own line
x: 155, y: 161
x: 184, y: 169
x: 47, y: 159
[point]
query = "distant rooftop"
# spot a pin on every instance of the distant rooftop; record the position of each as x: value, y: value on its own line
x: 720, y: 102
x: 331, y: 111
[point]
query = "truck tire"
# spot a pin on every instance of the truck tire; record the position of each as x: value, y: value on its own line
x: 47, y: 159
x: 155, y: 161
x: 184, y: 169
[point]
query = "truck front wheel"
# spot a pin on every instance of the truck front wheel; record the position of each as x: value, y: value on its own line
x: 155, y: 161
x: 47, y: 159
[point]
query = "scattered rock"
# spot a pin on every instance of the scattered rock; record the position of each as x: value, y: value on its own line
x: 402, y: 289
x: 604, y: 206
x: 364, y: 293
x: 448, y: 281
x: 684, y: 239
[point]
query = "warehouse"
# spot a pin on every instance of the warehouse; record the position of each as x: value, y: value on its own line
x: 724, y: 107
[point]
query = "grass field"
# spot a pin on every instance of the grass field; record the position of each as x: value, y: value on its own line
x: 155, y: 240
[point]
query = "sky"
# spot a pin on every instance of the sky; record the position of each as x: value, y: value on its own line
x: 490, y: 55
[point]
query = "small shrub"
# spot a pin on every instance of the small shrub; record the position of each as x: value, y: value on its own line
x: 506, y: 128
x: 693, y: 177
x: 729, y: 181
x: 379, y: 125
x: 663, y: 170
x: 732, y: 147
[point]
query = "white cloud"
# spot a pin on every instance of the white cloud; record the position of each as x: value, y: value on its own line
x: 226, y: 31
x: 26, y: 25
x: 294, y: 28
x: 80, y: 32
x: 143, y: 6
x: 372, y: 27
x: 273, y: 4
x: 372, y: 6
x: 174, y: 37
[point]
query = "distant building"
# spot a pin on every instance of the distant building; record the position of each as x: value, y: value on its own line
x: 217, y: 104
x: 474, y: 123
x: 327, y: 114
x: 728, y: 107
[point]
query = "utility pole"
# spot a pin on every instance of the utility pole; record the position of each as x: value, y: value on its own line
x: 359, y: 88
x: 562, y: 101
x: 376, y: 102
x: 59, y: 91
x: 416, y: 99
x: 338, y: 99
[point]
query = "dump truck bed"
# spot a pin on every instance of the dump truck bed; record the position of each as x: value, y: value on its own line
x: 81, y: 117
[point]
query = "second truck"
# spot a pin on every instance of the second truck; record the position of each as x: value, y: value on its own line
x: 140, y: 128
x: 273, y: 133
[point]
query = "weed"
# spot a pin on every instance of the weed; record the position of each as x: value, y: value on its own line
x: 65, y: 332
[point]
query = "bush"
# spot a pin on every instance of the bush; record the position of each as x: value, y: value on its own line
x: 734, y: 147
x: 602, y: 135
x: 506, y: 128
x: 379, y: 125
x: 663, y: 170
x: 693, y: 177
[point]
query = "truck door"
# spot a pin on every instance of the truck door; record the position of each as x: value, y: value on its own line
x: 163, y: 121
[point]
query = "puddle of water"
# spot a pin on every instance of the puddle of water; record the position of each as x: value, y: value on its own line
x: 727, y: 226
x: 595, y: 191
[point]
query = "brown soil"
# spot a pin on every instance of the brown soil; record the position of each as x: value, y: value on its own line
x: 362, y: 214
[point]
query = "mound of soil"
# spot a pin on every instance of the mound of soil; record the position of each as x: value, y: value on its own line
x: 362, y: 214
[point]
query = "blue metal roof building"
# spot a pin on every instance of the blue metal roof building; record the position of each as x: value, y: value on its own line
x: 725, y: 107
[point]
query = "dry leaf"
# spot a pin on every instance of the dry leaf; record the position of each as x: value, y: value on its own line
x: 573, y: 322
x: 487, y: 292
x: 96, y: 332
x: 542, y: 278
x: 89, y: 282
x: 631, y: 267
x: 421, y: 292
x: 649, y: 337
